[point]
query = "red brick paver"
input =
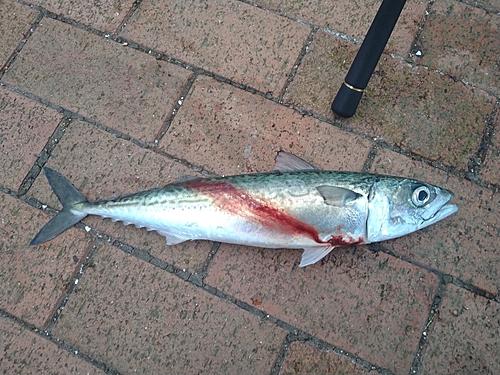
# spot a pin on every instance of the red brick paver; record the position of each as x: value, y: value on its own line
x: 106, y: 17
x: 122, y: 96
x: 34, y: 279
x: 369, y: 304
x: 15, y: 22
x: 28, y: 123
x: 472, y: 53
x: 414, y: 108
x: 122, y: 88
x: 25, y: 352
x: 246, y: 131
x: 305, y: 359
x: 139, y: 320
x: 465, y: 338
x: 491, y: 164
x: 352, y: 19
x: 228, y: 37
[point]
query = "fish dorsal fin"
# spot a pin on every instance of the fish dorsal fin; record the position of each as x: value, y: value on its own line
x: 312, y: 254
x: 286, y: 162
x: 185, y: 178
x: 337, y: 196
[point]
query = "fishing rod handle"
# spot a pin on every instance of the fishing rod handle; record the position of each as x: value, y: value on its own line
x: 350, y: 93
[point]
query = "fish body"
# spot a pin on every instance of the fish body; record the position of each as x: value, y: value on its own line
x: 297, y: 207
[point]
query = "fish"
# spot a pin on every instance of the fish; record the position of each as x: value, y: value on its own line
x: 295, y: 206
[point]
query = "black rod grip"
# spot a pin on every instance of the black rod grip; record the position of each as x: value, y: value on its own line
x: 350, y: 93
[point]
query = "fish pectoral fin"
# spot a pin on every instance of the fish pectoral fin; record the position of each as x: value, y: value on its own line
x: 312, y: 254
x: 173, y: 239
x: 337, y: 196
x: 286, y: 162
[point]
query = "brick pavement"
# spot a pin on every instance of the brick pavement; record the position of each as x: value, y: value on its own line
x: 124, y: 96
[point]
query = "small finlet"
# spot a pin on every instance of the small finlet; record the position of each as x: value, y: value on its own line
x: 286, y: 162
x: 312, y: 254
x: 337, y: 196
x: 173, y: 239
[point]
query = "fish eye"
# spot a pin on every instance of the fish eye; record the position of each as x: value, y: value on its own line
x: 420, y: 196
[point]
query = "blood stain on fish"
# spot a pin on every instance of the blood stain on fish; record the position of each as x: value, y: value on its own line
x: 239, y: 202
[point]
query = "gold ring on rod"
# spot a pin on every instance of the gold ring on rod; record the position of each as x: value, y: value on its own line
x: 352, y: 87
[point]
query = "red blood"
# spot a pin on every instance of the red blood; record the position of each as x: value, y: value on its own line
x: 341, y: 240
x: 239, y: 202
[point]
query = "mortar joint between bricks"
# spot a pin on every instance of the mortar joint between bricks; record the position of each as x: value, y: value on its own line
x: 433, y: 312
x: 298, y: 62
x: 178, y: 103
x: 45, y: 335
x: 279, y: 362
x: 476, y: 162
x: 203, y: 272
x: 482, y: 6
x: 370, y: 158
x: 377, y: 247
x: 294, y: 334
x: 20, y: 45
x: 415, y: 47
x: 471, y: 288
x: 126, y: 19
x: 145, y: 256
x: 43, y: 157
x: 325, y: 346
x: 82, y: 265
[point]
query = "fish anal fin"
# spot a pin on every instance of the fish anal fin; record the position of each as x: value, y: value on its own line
x: 337, y: 196
x: 173, y: 239
x: 312, y: 254
x: 287, y: 162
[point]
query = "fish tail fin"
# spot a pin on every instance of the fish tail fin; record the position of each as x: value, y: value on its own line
x: 68, y: 196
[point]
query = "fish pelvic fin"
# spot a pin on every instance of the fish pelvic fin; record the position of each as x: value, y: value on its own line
x: 312, y: 254
x: 68, y: 195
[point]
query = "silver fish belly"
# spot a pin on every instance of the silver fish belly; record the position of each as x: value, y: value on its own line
x: 296, y: 207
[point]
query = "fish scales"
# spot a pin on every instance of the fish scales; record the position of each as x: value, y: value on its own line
x: 297, y: 207
x: 266, y: 203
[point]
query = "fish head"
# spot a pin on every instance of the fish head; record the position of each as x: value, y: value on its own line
x: 397, y: 207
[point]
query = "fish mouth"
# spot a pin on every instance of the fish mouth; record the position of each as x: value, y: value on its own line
x: 446, y: 209
x: 442, y: 213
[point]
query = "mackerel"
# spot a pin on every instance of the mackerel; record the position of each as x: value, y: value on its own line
x: 296, y: 207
